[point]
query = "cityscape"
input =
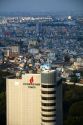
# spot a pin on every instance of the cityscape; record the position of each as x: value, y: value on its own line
x: 41, y: 68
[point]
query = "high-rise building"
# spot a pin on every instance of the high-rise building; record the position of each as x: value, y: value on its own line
x: 38, y: 28
x: 35, y: 99
x: 15, y: 50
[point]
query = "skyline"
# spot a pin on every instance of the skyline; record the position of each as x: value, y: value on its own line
x: 41, y: 6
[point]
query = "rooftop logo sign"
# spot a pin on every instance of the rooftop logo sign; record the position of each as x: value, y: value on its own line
x: 31, y: 81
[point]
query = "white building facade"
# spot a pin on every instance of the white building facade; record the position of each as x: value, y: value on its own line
x: 32, y: 100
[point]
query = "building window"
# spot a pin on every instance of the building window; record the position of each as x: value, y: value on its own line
x: 48, y: 92
x: 48, y: 120
x: 48, y: 110
x: 48, y: 104
x: 48, y: 86
x: 54, y: 115
x: 48, y: 98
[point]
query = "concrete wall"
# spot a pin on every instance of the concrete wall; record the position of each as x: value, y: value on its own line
x: 23, y: 102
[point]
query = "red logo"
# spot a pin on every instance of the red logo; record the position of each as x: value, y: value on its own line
x: 31, y: 80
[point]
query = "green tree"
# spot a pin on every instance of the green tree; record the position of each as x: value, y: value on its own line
x: 75, y: 116
x: 2, y: 108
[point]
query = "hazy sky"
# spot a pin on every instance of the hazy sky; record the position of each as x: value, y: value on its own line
x: 41, y: 5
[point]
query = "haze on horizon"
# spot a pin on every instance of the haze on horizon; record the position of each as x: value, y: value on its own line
x: 41, y: 5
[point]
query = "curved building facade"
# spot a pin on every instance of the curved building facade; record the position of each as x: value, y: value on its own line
x: 48, y: 98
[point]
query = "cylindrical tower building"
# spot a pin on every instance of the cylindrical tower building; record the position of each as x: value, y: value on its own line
x: 48, y: 97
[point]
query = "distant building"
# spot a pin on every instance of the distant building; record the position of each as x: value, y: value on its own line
x: 7, y: 52
x: 33, y: 51
x: 15, y: 50
x: 38, y: 28
x: 1, y: 57
x: 12, y: 51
